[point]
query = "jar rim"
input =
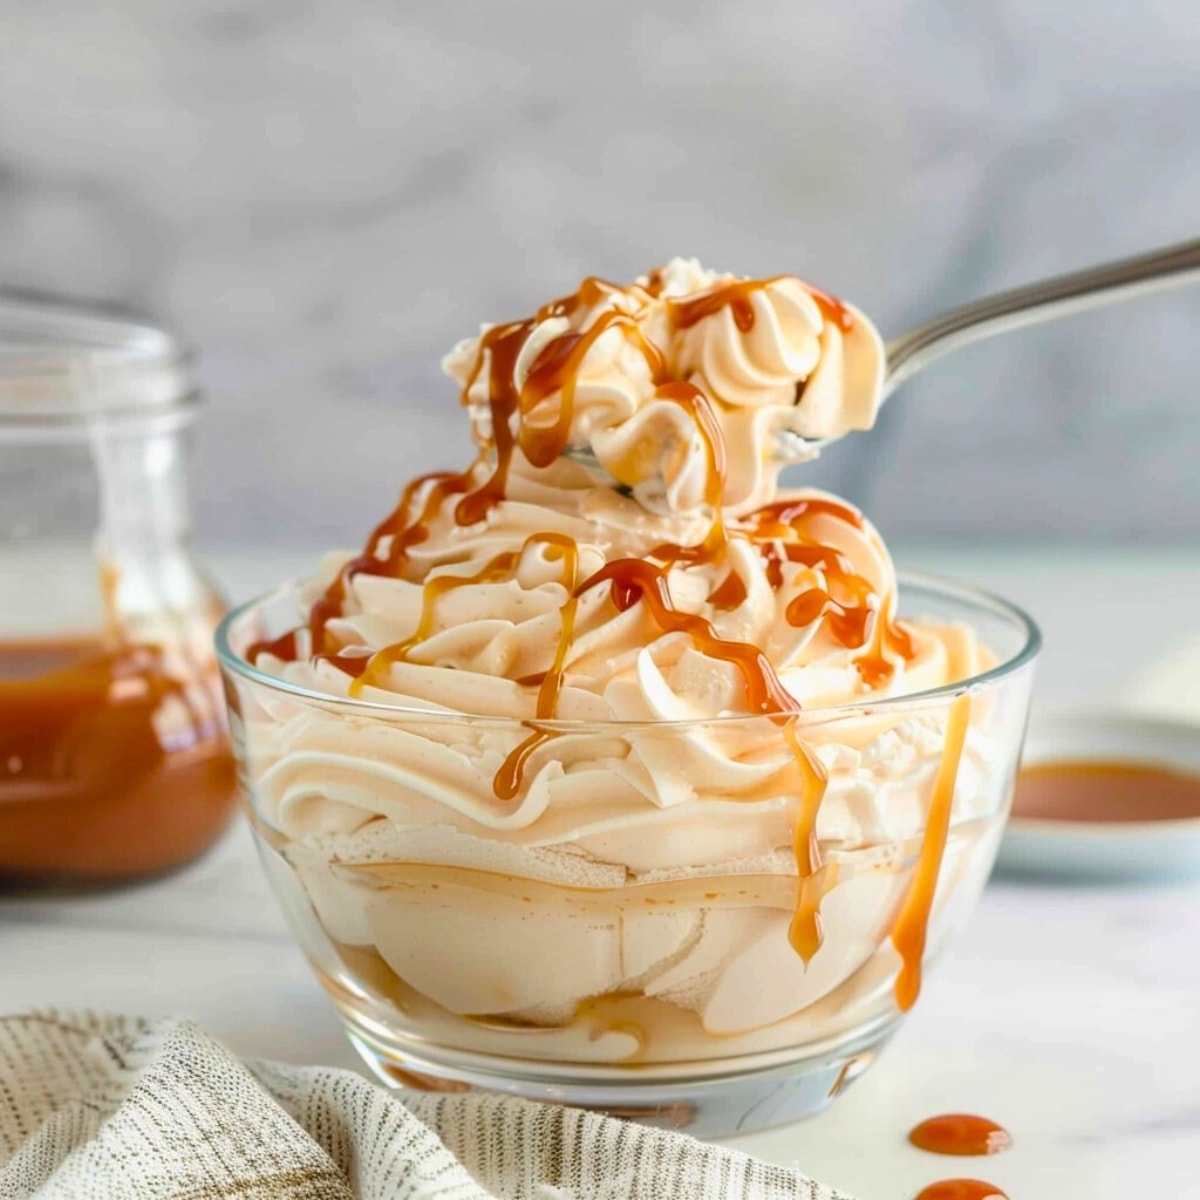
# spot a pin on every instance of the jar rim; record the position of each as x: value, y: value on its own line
x: 65, y: 365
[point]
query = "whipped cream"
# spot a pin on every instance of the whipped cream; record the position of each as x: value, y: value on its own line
x: 646, y: 806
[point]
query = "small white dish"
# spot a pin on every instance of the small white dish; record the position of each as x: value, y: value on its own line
x: 1106, y: 850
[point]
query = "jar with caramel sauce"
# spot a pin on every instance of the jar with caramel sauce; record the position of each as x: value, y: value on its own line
x: 114, y: 757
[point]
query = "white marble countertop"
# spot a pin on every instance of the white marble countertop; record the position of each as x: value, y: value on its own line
x: 1070, y: 1014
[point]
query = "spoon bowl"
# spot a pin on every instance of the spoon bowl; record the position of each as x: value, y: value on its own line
x: 1046, y: 300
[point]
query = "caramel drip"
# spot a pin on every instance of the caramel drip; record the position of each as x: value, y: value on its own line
x: 908, y: 934
x: 634, y: 579
x: 654, y: 283
x: 961, y: 1189
x: 284, y: 647
x: 696, y: 404
x: 730, y: 593
x: 738, y: 298
x: 375, y: 669
x: 506, y: 785
x: 779, y: 518
x: 500, y: 347
x: 400, y: 532
x: 805, y: 932
x: 960, y: 1134
x: 779, y: 532
x: 851, y: 624
x: 551, y: 686
x: 556, y: 369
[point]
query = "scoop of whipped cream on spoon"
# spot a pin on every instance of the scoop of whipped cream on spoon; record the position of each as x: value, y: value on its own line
x: 1048, y: 299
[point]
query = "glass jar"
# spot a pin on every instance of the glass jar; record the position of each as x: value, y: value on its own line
x: 114, y: 756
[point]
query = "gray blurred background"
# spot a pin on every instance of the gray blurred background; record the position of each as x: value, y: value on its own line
x: 325, y: 196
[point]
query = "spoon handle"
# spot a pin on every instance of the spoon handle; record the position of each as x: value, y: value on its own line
x: 1061, y: 296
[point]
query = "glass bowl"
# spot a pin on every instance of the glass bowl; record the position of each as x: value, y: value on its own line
x: 712, y: 925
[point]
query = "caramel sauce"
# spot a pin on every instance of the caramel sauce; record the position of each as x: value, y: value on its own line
x: 508, y: 780
x: 375, y: 668
x: 507, y: 783
x: 737, y: 297
x: 731, y: 593
x: 1106, y: 791
x: 694, y: 402
x: 960, y: 1134
x: 781, y: 534
x: 850, y: 624
x: 634, y: 579
x: 961, y: 1189
x: 108, y: 768
x: 805, y: 933
x: 908, y: 933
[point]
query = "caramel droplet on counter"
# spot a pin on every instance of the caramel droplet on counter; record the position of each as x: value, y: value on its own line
x: 960, y: 1134
x: 1106, y: 791
x: 961, y: 1189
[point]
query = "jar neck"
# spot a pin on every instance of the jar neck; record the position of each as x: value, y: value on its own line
x: 153, y: 589
x: 142, y: 473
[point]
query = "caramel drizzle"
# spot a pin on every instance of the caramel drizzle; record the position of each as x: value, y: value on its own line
x: 779, y: 532
x: 495, y: 570
x: 911, y: 927
x: 738, y: 298
x: 698, y: 406
x: 815, y: 879
x: 507, y: 782
x: 635, y: 579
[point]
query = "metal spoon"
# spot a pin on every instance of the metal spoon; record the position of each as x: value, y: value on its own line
x: 1060, y: 296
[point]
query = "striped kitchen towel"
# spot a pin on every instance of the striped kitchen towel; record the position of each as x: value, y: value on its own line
x: 96, y: 1107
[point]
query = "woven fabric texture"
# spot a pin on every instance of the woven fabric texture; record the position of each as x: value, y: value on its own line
x: 96, y: 1107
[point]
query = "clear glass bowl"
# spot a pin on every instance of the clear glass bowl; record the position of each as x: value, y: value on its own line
x: 677, y: 922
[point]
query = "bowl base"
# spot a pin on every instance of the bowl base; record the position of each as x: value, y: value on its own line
x: 706, y: 1106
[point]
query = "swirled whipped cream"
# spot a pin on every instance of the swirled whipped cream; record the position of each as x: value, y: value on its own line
x: 612, y: 582
x: 617, y: 427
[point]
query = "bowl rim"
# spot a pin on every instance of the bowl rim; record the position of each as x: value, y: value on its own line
x: 233, y: 663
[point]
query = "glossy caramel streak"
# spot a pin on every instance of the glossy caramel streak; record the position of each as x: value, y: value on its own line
x: 634, y: 580
x: 738, y: 298
x: 805, y: 932
x: 909, y: 932
x: 506, y: 785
